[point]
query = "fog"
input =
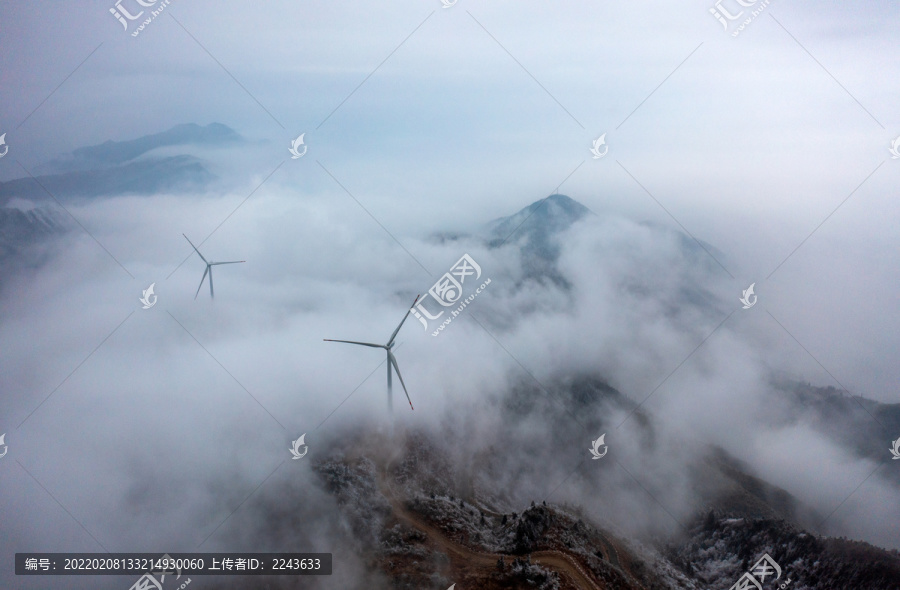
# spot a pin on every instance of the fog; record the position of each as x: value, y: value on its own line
x: 146, y: 430
x: 180, y: 413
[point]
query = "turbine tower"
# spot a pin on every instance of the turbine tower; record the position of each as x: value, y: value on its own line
x: 208, y: 270
x: 391, y: 359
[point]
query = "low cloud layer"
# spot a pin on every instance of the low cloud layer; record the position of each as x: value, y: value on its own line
x: 176, y: 414
x: 168, y: 429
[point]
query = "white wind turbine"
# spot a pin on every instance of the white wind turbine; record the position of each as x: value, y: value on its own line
x: 391, y: 359
x: 208, y: 270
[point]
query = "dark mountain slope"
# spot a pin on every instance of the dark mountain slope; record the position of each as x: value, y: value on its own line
x: 27, y: 238
x: 719, y: 551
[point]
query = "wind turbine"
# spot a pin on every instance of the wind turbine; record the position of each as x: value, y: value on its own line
x: 391, y: 360
x: 209, y: 266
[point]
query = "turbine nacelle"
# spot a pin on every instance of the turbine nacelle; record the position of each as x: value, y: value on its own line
x: 391, y: 359
x: 208, y: 270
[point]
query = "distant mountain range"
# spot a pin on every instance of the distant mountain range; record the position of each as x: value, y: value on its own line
x: 144, y: 177
x: 114, y: 153
x: 124, y: 167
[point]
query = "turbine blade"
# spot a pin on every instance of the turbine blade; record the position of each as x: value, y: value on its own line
x: 232, y: 262
x: 390, y: 390
x: 352, y: 342
x: 201, y: 281
x: 211, y: 294
x: 195, y: 249
x: 394, y: 335
x: 393, y: 361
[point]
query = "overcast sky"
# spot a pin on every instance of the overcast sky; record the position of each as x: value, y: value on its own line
x: 771, y: 146
x: 750, y: 144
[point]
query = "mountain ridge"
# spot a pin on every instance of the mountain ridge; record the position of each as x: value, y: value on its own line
x: 112, y: 153
x: 125, y: 167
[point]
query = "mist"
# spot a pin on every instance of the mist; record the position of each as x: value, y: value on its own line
x: 761, y: 159
x: 185, y: 412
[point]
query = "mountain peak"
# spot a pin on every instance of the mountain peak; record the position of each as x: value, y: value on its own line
x: 567, y: 203
x: 549, y: 215
x: 535, y: 230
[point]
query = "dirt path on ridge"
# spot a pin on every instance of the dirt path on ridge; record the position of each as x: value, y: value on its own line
x: 555, y: 560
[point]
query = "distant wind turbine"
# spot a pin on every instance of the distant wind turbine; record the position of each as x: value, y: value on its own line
x: 208, y: 270
x: 391, y: 360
